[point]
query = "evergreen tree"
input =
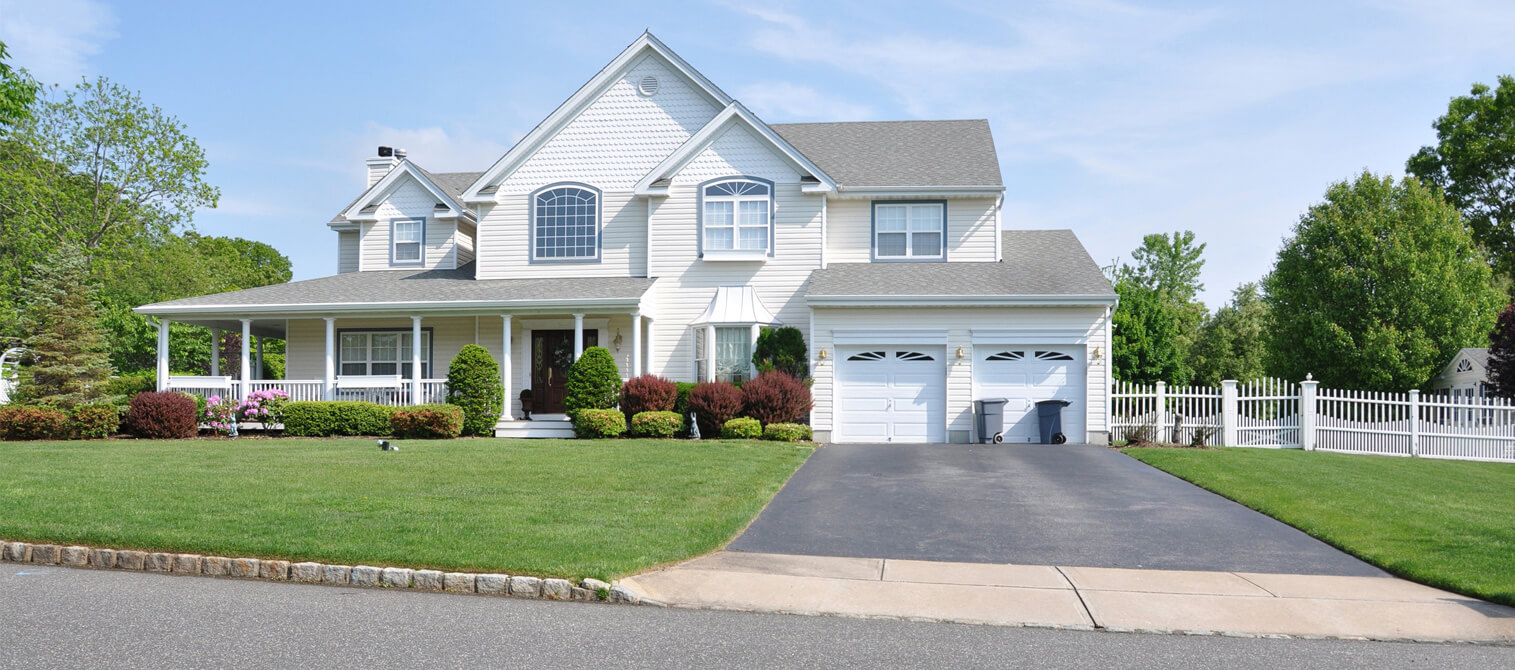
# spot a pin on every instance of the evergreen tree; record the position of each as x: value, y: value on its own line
x: 62, y: 334
x: 1502, y: 355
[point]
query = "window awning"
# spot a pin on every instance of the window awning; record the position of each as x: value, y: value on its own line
x: 736, y: 305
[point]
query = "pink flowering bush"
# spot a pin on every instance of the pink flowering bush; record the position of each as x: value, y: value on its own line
x: 266, y: 406
x: 220, y: 414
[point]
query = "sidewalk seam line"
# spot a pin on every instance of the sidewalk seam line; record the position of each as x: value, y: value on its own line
x: 1080, y: 596
x: 1264, y: 588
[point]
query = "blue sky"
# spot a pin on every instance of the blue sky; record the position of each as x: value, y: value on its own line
x: 1114, y: 119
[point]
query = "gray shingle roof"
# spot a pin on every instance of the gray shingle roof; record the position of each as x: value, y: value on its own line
x: 417, y: 286
x: 1479, y: 355
x: 1037, y: 262
x: 899, y: 153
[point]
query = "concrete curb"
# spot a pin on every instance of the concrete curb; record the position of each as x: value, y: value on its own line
x: 77, y: 556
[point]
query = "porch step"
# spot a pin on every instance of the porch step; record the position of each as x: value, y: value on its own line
x: 534, y: 429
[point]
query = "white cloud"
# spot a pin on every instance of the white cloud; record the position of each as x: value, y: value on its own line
x: 786, y: 101
x: 55, y: 39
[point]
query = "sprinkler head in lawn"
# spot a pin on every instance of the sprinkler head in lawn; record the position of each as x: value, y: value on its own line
x: 384, y: 445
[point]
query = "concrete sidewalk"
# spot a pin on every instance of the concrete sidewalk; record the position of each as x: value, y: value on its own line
x: 1378, y: 608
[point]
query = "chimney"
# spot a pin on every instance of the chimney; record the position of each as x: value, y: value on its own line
x: 380, y: 165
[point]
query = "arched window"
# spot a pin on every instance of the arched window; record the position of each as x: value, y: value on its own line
x: 565, y: 224
x: 736, y: 217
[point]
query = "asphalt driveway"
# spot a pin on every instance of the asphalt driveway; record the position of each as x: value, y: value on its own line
x: 1074, y: 505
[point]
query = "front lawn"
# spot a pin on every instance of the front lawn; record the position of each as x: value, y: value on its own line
x: 1449, y: 524
x: 563, y: 508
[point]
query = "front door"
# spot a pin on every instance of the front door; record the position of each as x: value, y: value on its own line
x: 551, y: 356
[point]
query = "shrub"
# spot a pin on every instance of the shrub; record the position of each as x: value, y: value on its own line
x: 656, y: 424
x: 121, y: 390
x: 742, y: 428
x: 473, y: 384
x: 162, y: 415
x: 648, y: 393
x: 787, y: 432
x: 593, y: 382
x: 325, y: 418
x: 266, y: 406
x: 95, y: 421
x: 782, y: 349
x: 713, y: 404
x: 21, y: 422
x: 776, y: 397
x: 599, y: 423
x: 429, y: 421
x: 220, y: 414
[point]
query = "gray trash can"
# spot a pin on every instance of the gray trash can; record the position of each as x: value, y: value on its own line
x: 1049, y: 414
x: 989, y: 416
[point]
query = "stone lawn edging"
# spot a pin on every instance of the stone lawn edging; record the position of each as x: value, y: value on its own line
x: 77, y: 556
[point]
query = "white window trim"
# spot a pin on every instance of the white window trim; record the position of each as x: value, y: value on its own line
x: 394, y: 243
x: 910, y: 254
x: 705, y: 349
x: 599, y: 219
x: 734, y: 253
x: 402, y: 352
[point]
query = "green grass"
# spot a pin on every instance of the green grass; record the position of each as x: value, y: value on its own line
x: 563, y: 508
x: 1449, y: 524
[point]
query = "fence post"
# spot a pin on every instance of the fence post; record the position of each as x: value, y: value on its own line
x: 1414, y: 422
x: 1161, y: 429
x: 1228, y: 413
x: 1307, y: 413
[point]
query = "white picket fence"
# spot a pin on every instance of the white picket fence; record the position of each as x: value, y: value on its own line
x: 1281, y: 414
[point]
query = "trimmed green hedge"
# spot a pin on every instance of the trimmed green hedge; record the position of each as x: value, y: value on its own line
x: 656, y: 424
x: 592, y: 382
x: 93, y: 422
x: 326, y: 418
x: 428, y: 421
x: 599, y: 423
x: 787, y: 432
x: 473, y: 383
x: 23, y: 422
x: 742, y: 428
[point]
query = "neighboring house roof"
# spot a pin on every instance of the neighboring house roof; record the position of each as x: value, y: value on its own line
x: 1046, y: 266
x: 899, y: 153
x: 395, y: 289
x: 1479, y: 356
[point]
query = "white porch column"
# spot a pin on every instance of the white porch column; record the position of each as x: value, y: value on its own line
x: 710, y: 353
x: 246, y: 359
x: 258, y: 360
x: 505, y: 365
x: 163, y: 354
x: 215, y: 352
x: 415, y: 360
x: 651, y: 359
x: 578, y: 336
x: 329, y: 388
x: 636, y: 344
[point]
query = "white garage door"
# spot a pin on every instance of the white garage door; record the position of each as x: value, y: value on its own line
x: 1026, y: 374
x: 891, y: 394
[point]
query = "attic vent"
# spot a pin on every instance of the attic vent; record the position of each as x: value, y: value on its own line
x: 648, y: 86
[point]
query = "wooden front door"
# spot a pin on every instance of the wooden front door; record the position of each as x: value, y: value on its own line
x: 551, y: 356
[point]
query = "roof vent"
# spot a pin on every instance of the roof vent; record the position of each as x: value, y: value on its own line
x: 648, y: 86
x: 399, y: 153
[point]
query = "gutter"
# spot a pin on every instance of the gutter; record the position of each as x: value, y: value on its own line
x: 431, y: 307
x: 957, y: 300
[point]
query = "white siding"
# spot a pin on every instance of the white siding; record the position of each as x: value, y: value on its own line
x: 408, y: 200
x: 504, y: 241
x: 971, y: 230
x: 958, y: 325
x: 347, y: 251
x: 464, y: 244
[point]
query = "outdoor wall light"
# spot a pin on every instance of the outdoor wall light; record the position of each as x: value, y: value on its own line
x: 821, y: 354
x: 959, y: 352
x: 617, y: 341
x: 1096, y: 355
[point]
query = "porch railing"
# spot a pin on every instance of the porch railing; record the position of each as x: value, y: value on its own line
x: 394, y: 392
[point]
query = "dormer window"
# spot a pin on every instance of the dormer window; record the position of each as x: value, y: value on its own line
x: 406, y: 241
x: 909, y: 231
x: 736, y: 219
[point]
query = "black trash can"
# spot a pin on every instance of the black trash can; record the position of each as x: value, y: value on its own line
x: 1049, y: 413
x: 989, y: 416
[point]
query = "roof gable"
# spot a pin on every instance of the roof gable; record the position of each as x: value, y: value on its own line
x: 732, y: 117
x: 647, y: 50
x: 392, y: 180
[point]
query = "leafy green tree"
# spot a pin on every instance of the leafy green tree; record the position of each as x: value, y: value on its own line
x: 1231, y: 342
x: 69, y: 364
x: 1169, y: 264
x: 1377, y: 287
x: 17, y: 92
x: 473, y: 383
x: 1473, y: 163
x: 1502, y: 354
x: 1146, y: 337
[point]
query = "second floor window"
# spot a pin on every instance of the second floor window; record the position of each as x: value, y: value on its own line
x: 566, y: 224
x: 736, y: 215
x: 909, y: 231
x: 407, y: 236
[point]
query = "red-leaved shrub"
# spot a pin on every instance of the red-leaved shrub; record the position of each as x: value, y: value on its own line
x: 713, y: 404
x: 19, y: 422
x: 776, y: 397
x: 648, y: 393
x: 162, y: 415
x: 427, y: 421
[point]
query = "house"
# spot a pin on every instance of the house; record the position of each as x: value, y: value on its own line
x: 1466, y: 375
x: 656, y: 216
